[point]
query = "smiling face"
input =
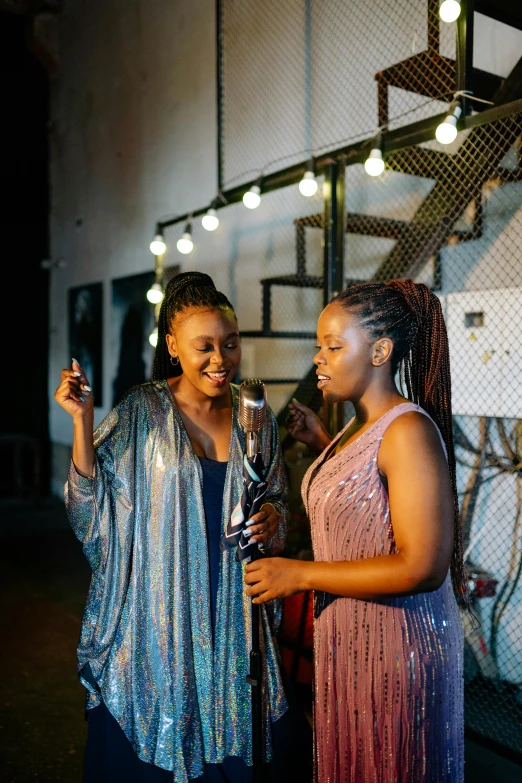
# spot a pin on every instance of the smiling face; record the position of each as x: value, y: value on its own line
x: 347, y: 358
x: 206, y: 342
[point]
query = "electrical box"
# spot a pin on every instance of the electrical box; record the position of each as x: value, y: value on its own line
x: 485, y: 339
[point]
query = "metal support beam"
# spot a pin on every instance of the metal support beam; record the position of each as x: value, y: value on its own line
x: 329, y: 233
x: 219, y: 94
x: 334, y: 229
x: 340, y: 227
x: 464, y: 70
x: 406, y: 136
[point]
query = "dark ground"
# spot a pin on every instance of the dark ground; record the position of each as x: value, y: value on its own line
x: 44, y: 582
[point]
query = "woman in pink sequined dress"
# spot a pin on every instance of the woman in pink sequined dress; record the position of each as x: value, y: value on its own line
x: 387, y: 543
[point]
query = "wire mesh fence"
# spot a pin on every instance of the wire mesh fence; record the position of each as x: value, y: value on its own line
x: 286, y: 91
x: 302, y: 78
x: 453, y: 220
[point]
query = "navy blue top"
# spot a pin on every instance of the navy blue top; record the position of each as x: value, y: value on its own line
x: 214, y: 474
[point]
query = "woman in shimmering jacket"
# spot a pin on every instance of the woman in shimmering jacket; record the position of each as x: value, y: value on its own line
x: 165, y: 641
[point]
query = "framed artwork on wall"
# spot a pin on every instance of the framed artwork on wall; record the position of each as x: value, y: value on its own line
x: 85, y: 309
x: 132, y: 321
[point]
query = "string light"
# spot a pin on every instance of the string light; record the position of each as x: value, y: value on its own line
x: 185, y: 244
x: 252, y: 198
x: 308, y: 185
x: 446, y: 132
x: 158, y: 246
x: 374, y: 166
x: 374, y: 163
x: 153, y: 337
x: 155, y: 293
x: 449, y: 10
x: 210, y: 221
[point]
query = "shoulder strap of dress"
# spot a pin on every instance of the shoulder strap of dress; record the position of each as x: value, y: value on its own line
x: 406, y: 407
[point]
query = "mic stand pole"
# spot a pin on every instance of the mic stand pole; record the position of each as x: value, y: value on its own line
x: 255, y: 676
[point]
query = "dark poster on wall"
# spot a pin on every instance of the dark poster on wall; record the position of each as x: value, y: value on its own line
x: 86, y: 333
x: 132, y: 321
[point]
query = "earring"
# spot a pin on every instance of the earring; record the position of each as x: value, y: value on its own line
x: 176, y: 362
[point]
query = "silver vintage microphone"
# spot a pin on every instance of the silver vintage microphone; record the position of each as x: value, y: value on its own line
x: 252, y: 412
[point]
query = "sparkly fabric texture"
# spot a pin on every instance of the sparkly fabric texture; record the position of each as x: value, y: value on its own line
x: 388, y: 673
x: 147, y: 630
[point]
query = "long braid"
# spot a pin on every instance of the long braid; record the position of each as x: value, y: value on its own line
x: 411, y: 315
x: 188, y: 289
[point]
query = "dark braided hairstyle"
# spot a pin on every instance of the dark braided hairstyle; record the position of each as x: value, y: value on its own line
x: 188, y: 289
x: 411, y: 315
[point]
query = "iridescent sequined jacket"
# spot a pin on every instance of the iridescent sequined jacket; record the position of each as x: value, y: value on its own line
x: 181, y: 699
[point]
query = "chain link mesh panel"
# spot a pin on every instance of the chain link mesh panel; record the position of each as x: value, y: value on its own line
x: 453, y: 220
x: 301, y: 78
x: 286, y: 91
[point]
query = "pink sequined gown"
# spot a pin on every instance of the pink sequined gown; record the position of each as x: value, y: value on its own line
x: 388, y: 674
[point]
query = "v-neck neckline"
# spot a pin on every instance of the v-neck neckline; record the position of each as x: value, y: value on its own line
x: 329, y: 456
x: 177, y: 413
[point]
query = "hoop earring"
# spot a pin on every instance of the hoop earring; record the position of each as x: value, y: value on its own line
x: 175, y: 363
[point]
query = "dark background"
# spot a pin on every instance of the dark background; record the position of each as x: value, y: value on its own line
x: 24, y: 177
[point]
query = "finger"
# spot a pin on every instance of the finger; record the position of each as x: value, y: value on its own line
x: 256, y: 589
x: 262, y: 599
x: 299, y: 406
x: 295, y: 423
x: 78, y: 371
x: 255, y: 565
x: 68, y: 390
x: 253, y: 578
x: 259, y: 517
x: 73, y: 390
x: 254, y: 531
x: 70, y: 374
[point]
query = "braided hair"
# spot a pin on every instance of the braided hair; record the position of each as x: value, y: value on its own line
x: 411, y: 315
x: 188, y: 289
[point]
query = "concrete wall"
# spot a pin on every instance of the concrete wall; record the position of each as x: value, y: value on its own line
x: 133, y: 138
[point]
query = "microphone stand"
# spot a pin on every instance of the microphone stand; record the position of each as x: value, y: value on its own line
x: 255, y: 675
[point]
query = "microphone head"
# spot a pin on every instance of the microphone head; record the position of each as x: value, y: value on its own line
x: 252, y: 404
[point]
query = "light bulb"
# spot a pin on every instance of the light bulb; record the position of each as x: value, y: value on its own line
x: 447, y: 131
x: 153, y: 337
x: 374, y: 164
x: 155, y: 294
x: 252, y: 198
x: 210, y: 221
x: 185, y: 244
x: 449, y: 10
x: 158, y: 246
x: 308, y: 185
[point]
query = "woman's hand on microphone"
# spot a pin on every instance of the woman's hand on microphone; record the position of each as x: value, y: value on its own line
x: 274, y: 577
x: 263, y: 525
x: 74, y: 393
x: 304, y: 425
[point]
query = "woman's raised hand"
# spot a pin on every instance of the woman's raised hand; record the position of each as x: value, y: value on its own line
x: 305, y: 426
x: 74, y: 393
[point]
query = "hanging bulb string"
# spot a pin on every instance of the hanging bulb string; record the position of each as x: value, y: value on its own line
x: 443, y: 97
x: 309, y: 153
